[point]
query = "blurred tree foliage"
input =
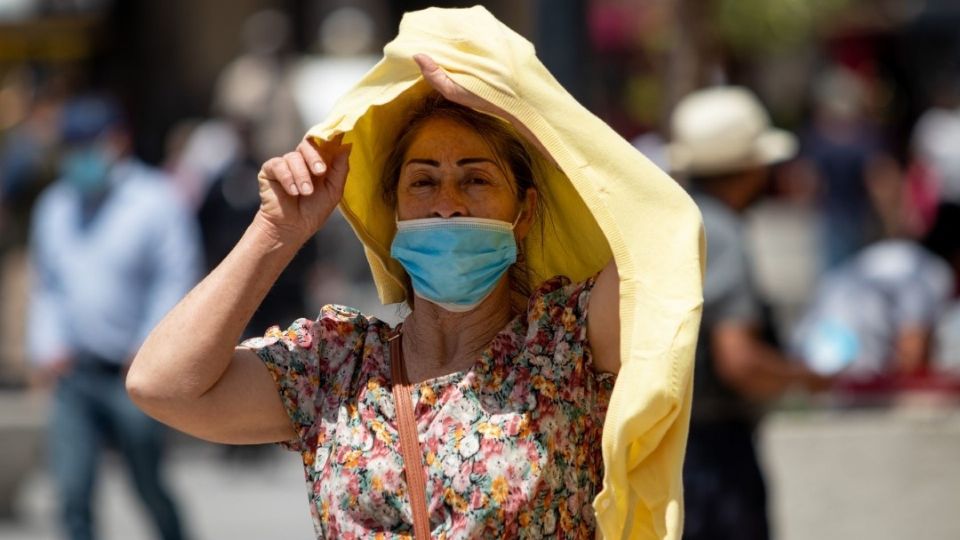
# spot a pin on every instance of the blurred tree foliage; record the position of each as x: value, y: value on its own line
x: 746, y: 25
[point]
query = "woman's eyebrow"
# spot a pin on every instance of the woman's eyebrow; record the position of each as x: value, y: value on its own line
x: 421, y: 161
x: 460, y: 162
x: 472, y: 160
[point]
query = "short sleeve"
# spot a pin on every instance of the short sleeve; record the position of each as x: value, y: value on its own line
x: 310, y: 362
x: 560, y: 307
x: 558, y: 322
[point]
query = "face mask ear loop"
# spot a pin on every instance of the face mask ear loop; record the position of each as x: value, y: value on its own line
x: 513, y: 228
x: 519, y: 215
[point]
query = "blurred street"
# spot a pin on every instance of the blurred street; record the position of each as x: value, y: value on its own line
x: 868, y: 474
x: 258, y: 497
x: 865, y: 474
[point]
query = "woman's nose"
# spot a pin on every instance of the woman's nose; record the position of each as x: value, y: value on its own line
x: 449, y: 203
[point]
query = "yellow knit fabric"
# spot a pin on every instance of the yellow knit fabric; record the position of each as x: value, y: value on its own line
x: 603, y: 199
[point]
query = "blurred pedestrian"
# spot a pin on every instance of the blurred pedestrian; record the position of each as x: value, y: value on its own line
x: 934, y: 172
x: 345, y: 49
x: 724, y: 143
x: 873, y: 318
x: 112, y: 249
x: 859, y: 182
x: 254, y: 98
x: 255, y: 90
x: 29, y: 134
x: 28, y: 147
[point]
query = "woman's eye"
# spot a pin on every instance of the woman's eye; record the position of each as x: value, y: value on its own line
x: 478, y: 181
x: 421, y: 182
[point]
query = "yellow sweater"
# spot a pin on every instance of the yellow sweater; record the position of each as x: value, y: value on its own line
x: 603, y: 199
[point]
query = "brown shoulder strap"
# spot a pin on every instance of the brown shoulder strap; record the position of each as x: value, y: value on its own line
x: 409, y: 444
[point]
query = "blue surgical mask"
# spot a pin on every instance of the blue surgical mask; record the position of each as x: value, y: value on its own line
x: 86, y: 169
x: 454, y: 263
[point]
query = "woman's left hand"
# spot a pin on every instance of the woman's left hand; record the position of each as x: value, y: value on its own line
x: 442, y: 83
x: 449, y: 89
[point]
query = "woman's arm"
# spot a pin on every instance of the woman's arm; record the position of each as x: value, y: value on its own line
x: 603, y: 320
x: 188, y: 373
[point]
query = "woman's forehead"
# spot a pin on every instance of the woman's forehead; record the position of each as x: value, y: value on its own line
x: 444, y: 139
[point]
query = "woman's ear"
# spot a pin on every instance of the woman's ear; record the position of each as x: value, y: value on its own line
x: 528, y: 210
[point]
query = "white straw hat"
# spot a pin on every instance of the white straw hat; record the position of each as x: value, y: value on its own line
x: 722, y: 130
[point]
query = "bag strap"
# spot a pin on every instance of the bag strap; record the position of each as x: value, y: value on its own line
x: 409, y: 443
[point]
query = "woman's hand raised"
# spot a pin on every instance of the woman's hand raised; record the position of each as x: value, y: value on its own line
x: 299, y: 190
x: 449, y: 89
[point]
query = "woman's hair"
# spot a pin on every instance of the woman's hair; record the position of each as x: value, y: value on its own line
x: 509, y: 149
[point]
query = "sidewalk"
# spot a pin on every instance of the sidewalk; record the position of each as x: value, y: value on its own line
x: 870, y: 474
x: 219, y: 498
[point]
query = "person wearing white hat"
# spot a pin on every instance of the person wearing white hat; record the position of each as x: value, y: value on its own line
x: 723, y: 142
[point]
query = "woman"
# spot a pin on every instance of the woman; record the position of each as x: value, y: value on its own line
x: 512, y: 370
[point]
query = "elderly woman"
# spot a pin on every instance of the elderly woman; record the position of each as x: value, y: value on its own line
x: 482, y: 414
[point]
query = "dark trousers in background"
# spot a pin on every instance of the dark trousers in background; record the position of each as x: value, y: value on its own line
x: 724, y: 493
x: 91, y: 410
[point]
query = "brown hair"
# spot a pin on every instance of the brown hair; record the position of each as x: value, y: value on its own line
x: 509, y: 149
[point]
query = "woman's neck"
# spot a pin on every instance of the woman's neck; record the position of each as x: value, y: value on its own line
x: 437, y: 342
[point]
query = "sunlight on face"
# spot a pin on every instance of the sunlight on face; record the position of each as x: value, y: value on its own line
x: 450, y: 171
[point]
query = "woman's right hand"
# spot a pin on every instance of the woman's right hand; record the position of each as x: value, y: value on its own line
x: 299, y: 190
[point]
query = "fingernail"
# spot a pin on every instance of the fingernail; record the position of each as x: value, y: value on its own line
x: 318, y: 167
x: 306, y: 188
x: 293, y: 189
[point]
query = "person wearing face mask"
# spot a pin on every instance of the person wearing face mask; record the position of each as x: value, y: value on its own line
x: 112, y: 249
x: 540, y: 383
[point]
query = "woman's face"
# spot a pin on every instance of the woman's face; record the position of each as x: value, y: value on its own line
x: 449, y: 171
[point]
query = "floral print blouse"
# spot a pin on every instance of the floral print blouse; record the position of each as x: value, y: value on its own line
x: 511, y: 446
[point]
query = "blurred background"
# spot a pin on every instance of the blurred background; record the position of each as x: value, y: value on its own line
x: 210, y: 90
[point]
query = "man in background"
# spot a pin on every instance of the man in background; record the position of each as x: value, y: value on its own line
x: 872, y: 319
x: 724, y: 143
x: 112, y: 250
